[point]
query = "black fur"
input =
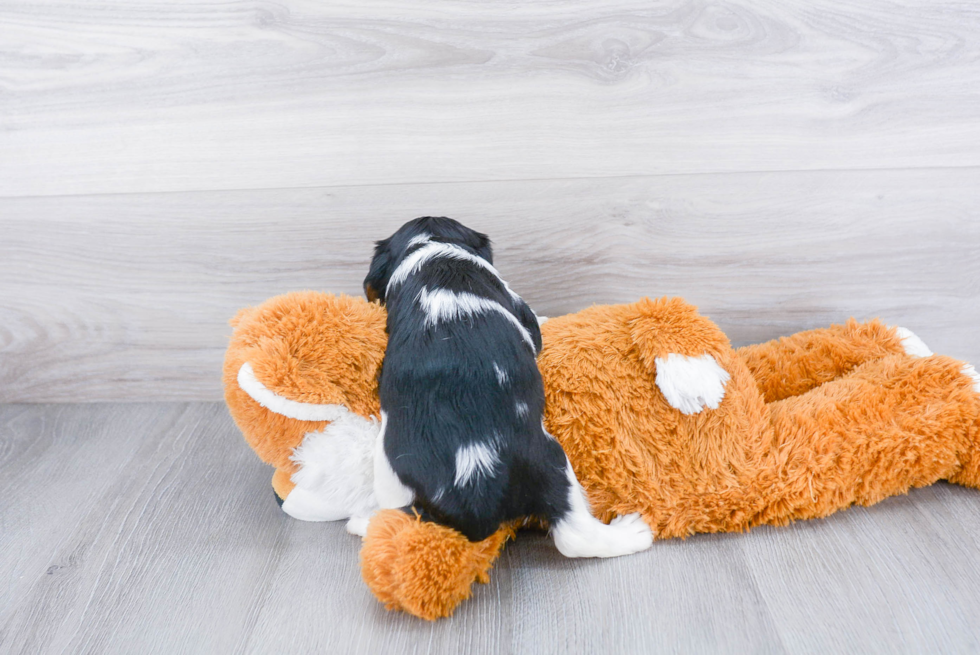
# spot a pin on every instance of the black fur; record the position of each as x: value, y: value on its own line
x: 440, y: 391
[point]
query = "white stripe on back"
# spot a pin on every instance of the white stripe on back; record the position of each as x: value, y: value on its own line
x: 444, y: 305
x: 414, y: 262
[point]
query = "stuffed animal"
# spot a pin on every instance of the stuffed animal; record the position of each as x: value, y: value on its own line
x: 657, y: 413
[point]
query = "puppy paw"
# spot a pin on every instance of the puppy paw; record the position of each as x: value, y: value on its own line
x: 690, y: 384
x: 971, y: 372
x: 914, y: 346
x: 632, y: 532
x: 583, y: 535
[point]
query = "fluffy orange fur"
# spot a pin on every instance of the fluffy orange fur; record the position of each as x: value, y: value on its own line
x: 809, y: 424
x: 423, y: 568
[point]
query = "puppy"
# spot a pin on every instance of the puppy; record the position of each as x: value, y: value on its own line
x: 462, y: 435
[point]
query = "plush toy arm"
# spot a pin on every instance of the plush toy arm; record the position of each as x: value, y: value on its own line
x: 683, y: 347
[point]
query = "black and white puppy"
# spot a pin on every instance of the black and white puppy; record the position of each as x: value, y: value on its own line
x: 462, y: 436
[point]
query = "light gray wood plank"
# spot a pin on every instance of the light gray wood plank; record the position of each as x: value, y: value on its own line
x: 691, y: 596
x: 118, y: 540
x: 898, y: 577
x: 149, y: 96
x: 151, y: 528
x: 128, y: 297
x: 132, y: 534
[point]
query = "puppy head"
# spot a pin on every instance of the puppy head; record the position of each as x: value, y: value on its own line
x: 389, y: 252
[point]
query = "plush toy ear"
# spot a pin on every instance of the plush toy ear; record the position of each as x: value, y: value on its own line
x: 671, y: 326
x: 380, y: 272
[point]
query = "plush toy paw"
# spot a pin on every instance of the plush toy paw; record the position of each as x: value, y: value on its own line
x: 690, y: 384
x: 358, y: 525
x: 914, y: 346
x: 424, y: 568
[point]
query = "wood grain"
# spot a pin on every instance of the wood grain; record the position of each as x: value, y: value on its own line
x: 151, y: 528
x: 128, y: 297
x: 144, y: 96
x: 920, y: 592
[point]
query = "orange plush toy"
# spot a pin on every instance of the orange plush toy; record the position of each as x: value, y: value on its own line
x: 657, y: 413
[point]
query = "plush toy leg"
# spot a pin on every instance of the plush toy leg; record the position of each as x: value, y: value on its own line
x: 890, y: 425
x: 969, y: 473
x: 424, y: 568
x: 793, y: 365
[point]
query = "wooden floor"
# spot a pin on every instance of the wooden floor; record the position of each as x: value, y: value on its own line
x: 151, y: 528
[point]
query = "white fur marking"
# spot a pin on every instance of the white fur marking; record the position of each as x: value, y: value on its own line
x: 971, y: 373
x: 414, y: 262
x: 334, y: 477
x: 388, y: 488
x: 691, y: 383
x: 913, y: 345
x: 443, y: 305
x: 545, y: 430
x: 522, y: 409
x: 284, y: 406
x: 502, y: 376
x: 475, y: 460
x: 541, y: 319
x: 579, y: 534
x: 358, y: 525
x: 418, y: 240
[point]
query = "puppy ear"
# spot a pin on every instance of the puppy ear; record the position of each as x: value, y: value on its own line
x: 380, y: 272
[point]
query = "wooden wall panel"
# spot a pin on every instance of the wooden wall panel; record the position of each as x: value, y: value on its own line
x: 127, y: 297
x: 144, y: 96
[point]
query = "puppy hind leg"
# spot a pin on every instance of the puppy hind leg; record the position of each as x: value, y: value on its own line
x: 389, y: 490
x: 579, y: 534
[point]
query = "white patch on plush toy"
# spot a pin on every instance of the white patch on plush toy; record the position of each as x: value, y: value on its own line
x: 971, y: 372
x: 579, y: 534
x: 541, y: 319
x: 284, y: 406
x: 691, y: 383
x: 388, y: 488
x: 912, y: 344
x: 335, y: 475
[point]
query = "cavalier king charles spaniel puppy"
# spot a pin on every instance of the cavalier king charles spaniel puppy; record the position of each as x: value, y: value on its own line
x: 462, y: 438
